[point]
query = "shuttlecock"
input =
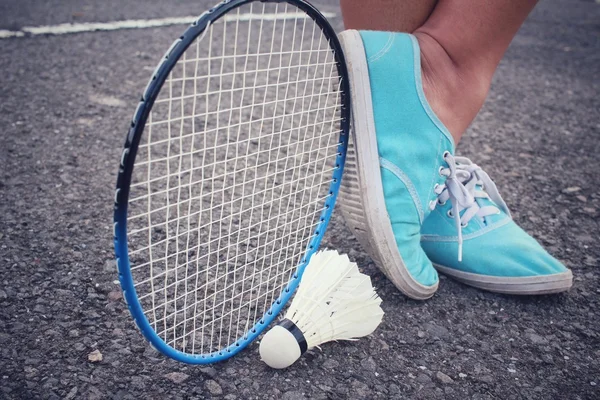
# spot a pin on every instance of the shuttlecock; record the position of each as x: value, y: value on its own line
x: 334, y: 302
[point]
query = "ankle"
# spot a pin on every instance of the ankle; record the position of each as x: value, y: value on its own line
x: 455, y: 92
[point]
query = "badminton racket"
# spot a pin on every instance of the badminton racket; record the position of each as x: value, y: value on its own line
x: 229, y: 175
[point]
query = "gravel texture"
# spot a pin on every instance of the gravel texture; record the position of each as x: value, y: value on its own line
x: 65, y: 331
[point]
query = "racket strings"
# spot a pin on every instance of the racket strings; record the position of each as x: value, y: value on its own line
x: 208, y: 255
x: 232, y: 175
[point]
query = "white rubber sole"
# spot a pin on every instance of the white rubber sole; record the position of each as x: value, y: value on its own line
x: 361, y: 199
x: 533, y: 285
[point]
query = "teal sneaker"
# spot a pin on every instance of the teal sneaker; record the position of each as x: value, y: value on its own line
x: 471, y: 237
x: 397, y: 150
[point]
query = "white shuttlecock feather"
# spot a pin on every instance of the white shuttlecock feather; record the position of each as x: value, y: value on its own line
x: 334, y: 302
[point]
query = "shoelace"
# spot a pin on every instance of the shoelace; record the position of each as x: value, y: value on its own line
x: 465, y: 182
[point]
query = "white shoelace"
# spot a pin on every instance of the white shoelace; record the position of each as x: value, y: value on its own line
x: 462, y: 178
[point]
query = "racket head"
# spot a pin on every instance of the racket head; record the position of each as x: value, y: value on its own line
x: 128, y: 159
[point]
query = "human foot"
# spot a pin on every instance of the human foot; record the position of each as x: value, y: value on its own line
x: 454, y: 92
x: 497, y: 255
x: 396, y: 152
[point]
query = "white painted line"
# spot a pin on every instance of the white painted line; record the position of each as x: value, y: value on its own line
x: 7, y: 34
x: 63, y: 29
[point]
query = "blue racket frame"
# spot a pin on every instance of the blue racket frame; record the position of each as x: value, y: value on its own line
x: 128, y: 155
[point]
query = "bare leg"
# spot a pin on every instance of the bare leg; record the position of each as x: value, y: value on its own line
x: 386, y: 15
x: 462, y: 42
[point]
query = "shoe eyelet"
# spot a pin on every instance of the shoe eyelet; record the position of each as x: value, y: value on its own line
x: 440, y: 169
x: 464, y: 225
x: 446, y: 154
x: 441, y: 203
x: 450, y: 214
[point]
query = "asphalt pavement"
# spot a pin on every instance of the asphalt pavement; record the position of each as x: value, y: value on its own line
x: 65, y: 105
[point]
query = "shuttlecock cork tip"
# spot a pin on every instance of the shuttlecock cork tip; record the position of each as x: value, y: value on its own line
x: 282, y: 345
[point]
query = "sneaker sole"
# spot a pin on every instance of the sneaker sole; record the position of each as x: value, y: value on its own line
x: 361, y: 199
x: 530, y: 285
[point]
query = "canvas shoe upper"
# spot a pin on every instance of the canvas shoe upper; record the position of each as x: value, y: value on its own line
x: 397, y: 152
x: 471, y: 236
